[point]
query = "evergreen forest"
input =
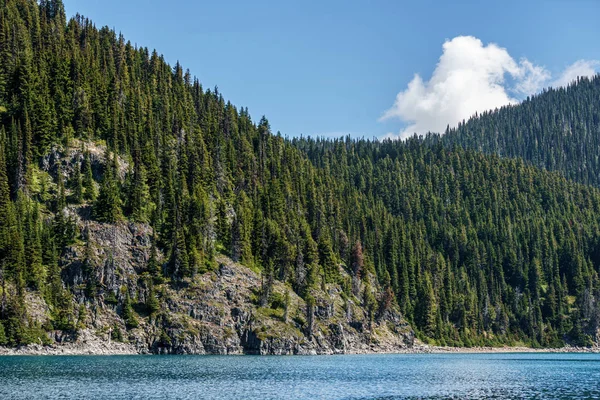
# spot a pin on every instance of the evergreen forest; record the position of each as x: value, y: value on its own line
x: 486, y: 235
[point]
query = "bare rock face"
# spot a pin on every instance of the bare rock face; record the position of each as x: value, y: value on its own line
x: 36, y: 307
x: 64, y: 160
x: 118, y: 255
x: 213, y: 313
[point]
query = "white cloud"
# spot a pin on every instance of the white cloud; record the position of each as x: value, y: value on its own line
x: 578, y: 69
x: 471, y: 77
x: 531, y: 78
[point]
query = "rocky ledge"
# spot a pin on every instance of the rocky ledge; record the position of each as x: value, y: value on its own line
x: 216, y: 312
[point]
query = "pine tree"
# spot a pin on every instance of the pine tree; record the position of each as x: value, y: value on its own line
x: 89, y: 273
x: 153, y: 266
x: 139, y: 203
x: 129, y: 316
x: 267, y: 283
x: 357, y: 264
x: 77, y: 186
x: 152, y: 303
x: 3, y: 338
x: 179, y: 263
x: 107, y: 207
x: 36, y: 272
x: 328, y: 259
x: 61, y: 199
x: 5, y: 212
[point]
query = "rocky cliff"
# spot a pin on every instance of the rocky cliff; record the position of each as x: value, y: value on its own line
x: 216, y: 312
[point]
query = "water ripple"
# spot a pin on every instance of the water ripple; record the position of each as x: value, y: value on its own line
x: 358, y: 377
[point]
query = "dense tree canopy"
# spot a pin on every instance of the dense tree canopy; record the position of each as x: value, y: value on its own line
x: 558, y: 130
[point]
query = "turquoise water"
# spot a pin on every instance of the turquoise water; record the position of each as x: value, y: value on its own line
x: 425, y: 376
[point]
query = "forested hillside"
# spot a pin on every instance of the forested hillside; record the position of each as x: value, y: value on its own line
x: 558, y: 130
x: 475, y: 243
x: 96, y: 133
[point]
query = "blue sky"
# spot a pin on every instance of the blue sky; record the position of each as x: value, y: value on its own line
x: 337, y: 67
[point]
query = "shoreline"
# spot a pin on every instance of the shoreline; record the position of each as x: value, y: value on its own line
x: 116, y: 348
x: 506, y: 349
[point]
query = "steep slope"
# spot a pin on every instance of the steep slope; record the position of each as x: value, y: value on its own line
x: 134, y: 202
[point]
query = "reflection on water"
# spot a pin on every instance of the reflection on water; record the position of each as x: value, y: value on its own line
x: 473, y: 376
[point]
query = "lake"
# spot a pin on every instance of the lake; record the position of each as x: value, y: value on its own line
x: 411, y: 376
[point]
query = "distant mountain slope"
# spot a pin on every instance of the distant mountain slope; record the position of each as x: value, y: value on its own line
x: 558, y: 130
